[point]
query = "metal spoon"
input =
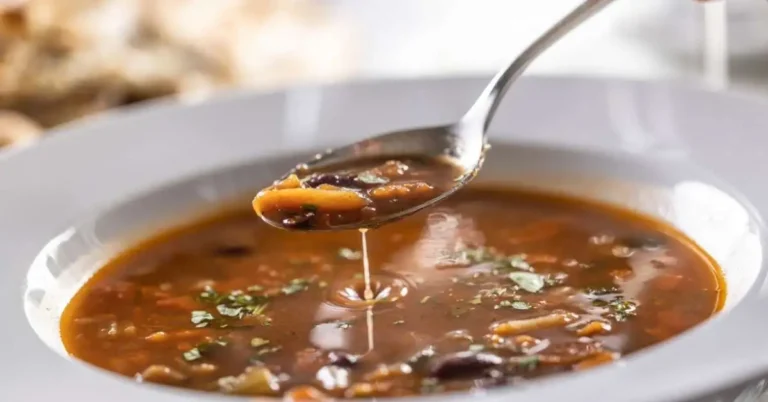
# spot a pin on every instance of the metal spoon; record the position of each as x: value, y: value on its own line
x: 465, y: 141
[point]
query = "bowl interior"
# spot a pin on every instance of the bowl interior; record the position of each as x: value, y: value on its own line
x: 672, y: 190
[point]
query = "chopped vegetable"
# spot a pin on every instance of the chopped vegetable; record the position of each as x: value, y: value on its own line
x: 514, y: 327
x: 295, y: 286
x: 254, y: 381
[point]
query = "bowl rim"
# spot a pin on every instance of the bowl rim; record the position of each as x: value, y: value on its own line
x: 16, y: 166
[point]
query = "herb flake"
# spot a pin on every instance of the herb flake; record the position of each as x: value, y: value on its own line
x: 517, y: 305
x: 201, y: 318
x: 295, y: 286
x: 528, y: 281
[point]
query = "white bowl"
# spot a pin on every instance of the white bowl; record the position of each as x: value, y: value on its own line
x: 686, y: 156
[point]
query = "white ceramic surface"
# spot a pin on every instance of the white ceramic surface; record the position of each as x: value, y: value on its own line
x: 687, y: 156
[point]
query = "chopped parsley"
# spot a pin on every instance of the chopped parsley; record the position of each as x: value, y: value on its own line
x: 503, y: 263
x: 349, y: 254
x: 235, y: 304
x: 622, y: 309
x: 201, y: 318
x: 295, y: 286
x: 209, y: 295
x: 235, y: 312
x: 528, y: 281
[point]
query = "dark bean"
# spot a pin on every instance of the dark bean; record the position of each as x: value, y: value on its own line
x: 299, y: 221
x: 340, y: 180
x: 343, y: 359
x: 463, y: 364
x: 232, y: 251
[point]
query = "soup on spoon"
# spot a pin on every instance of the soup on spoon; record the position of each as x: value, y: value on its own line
x: 354, y: 194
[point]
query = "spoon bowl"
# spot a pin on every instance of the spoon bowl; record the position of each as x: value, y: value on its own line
x: 462, y: 144
x: 466, y: 152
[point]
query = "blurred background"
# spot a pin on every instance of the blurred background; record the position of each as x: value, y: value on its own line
x: 61, y: 60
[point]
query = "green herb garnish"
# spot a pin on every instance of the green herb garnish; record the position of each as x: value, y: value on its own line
x: 295, y: 286
x: 235, y: 312
x: 201, y: 318
x: 623, y: 309
x: 528, y: 281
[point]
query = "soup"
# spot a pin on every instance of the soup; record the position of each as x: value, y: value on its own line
x: 354, y: 195
x: 494, y: 286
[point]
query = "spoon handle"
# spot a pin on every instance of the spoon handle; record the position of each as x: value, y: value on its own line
x: 485, y: 106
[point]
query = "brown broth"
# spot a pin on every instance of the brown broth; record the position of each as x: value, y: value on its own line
x: 608, y: 282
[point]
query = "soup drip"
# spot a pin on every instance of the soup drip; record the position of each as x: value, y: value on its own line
x: 384, y: 287
x: 367, y: 292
